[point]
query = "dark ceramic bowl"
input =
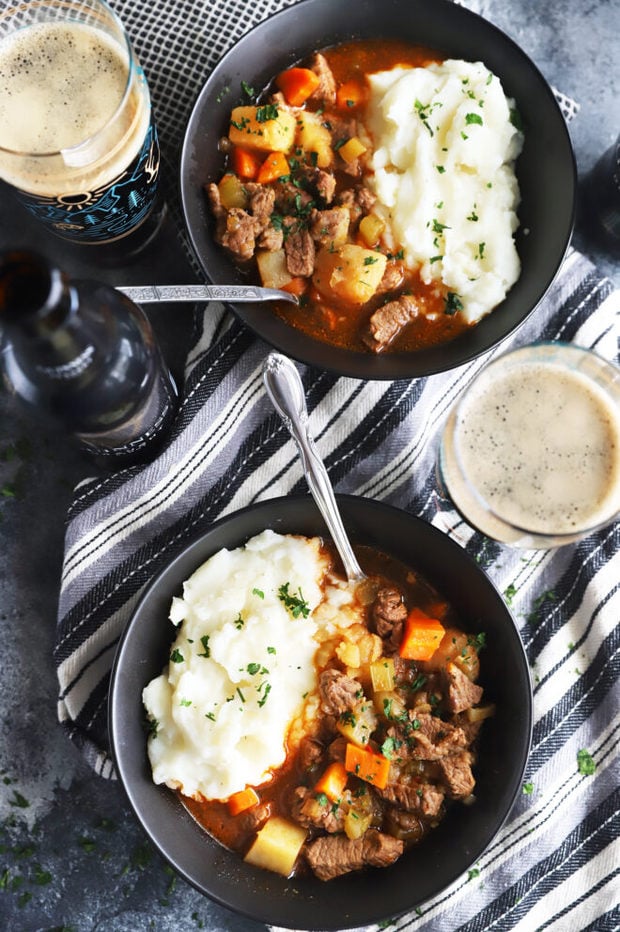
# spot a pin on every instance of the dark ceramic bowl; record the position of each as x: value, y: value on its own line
x: 545, y: 169
x: 449, y: 850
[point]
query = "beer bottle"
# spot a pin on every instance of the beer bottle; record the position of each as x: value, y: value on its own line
x: 84, y: 354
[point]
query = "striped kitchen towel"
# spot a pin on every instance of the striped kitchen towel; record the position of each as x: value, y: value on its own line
x: 558, y: 854
x: 555, y: 863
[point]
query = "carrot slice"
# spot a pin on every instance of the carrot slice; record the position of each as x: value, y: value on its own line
x: 350, y: 95
x: 422, y: 636
x: 332, y: 781
x: 297, y: 84
x: 274, y: 166
x: 242, y: 800
x: 245, y: 164
x: 367, y: 765
x: 296, y: 286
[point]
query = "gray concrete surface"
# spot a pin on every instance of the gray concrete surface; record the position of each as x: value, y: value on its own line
x: 71, y: 854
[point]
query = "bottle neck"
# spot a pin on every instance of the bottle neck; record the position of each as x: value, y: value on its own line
x: 35, y: 297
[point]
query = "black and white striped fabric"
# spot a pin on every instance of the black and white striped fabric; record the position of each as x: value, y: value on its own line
x: 555, y: 863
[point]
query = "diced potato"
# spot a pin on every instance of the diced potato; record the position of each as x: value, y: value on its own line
x: 312, y: 136
x: 349, y: 654
x: 370, y: 645
x: 351, y: 150
x: 479, y: 714
x: 350, y: 273
x: 371, y: 227
x: 389, y: 704
x: 356, y: 823
x: 277, y: 846
x: 382, y: 674
x: 272, y: 268
x: 269, y: 128
x: 232, y: 192
x: 455, y: 646
x: 358, y: 725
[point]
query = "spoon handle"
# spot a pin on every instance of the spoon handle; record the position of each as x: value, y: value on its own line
x: 285, y: 389
x: 156, y: 294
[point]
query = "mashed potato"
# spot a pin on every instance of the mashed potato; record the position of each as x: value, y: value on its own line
x: 443, y: 163
x: 242, y: 669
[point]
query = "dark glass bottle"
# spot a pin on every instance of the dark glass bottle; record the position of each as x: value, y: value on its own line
x: 603, y: 198
x: 86, y: 355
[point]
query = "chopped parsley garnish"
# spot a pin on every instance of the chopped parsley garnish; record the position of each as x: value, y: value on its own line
x: 266, y: 112
x: 515, y: 119
x: 473, y: 118
x: 419, y: 682
x: 453, y: 303
x: 271, y: 650
x: 540, y: 603
x: 185, y: 702
x: 176, y: 656
x: 296, y: 604
x: 474, y: 872
x: 388, y: 748
x: 585, y: 763
x: 477, y: 641
x: 266, y: 688
x: 152, y: 726
x: 424, y: 112
x: 259, y: 593
x: 473, y: 215
x: 440, y: 168
x: 254, y: 668
x: 509, y: 593
x: 204, y: 640
x: 370, y: 260
x: 481, y: 247
x: 239, y: 622
x: 438, y: 227
x: 528, y: 789
x: 321, y: 799
x: 247, y: 90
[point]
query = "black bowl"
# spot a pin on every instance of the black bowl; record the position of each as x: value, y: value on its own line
x: 545, y: 169
x: 449, y: 850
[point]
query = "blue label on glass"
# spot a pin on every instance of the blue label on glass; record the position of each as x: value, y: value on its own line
x: 109, y: 212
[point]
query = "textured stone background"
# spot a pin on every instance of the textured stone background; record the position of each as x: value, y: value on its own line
x: 71, y: 853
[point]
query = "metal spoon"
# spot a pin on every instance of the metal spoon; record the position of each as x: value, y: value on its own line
x: 285, y: 389
x: 156, y: 294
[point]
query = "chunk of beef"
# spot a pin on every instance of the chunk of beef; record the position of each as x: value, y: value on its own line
x: 213, y: 193
x: 432, y: 739
x: 461, y: 692
x: 365, y: 198
x: 457, y: 774
x: 312, y: 811
x: 392, y: 278
x: 291, y: 198
x: 326, y: 91
x: 423, y: 798
x: 403, y: 824
x: 252, y: 819
x: 332, y: 856
x: 388, y: 616
x: 325, y: 184
x: 338, y: 748
x: 262, y: 203
x: 239, y: 234
x: 339, y: 693
x: 330, y: 226
x: 425, y: 737
x: 470, y: 729
x: 271, y: 238
x: 300, y: 253
x: 388, y: 321
x: 311, y: 752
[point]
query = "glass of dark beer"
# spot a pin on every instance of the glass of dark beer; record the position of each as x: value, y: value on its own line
x: 78, y: 142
